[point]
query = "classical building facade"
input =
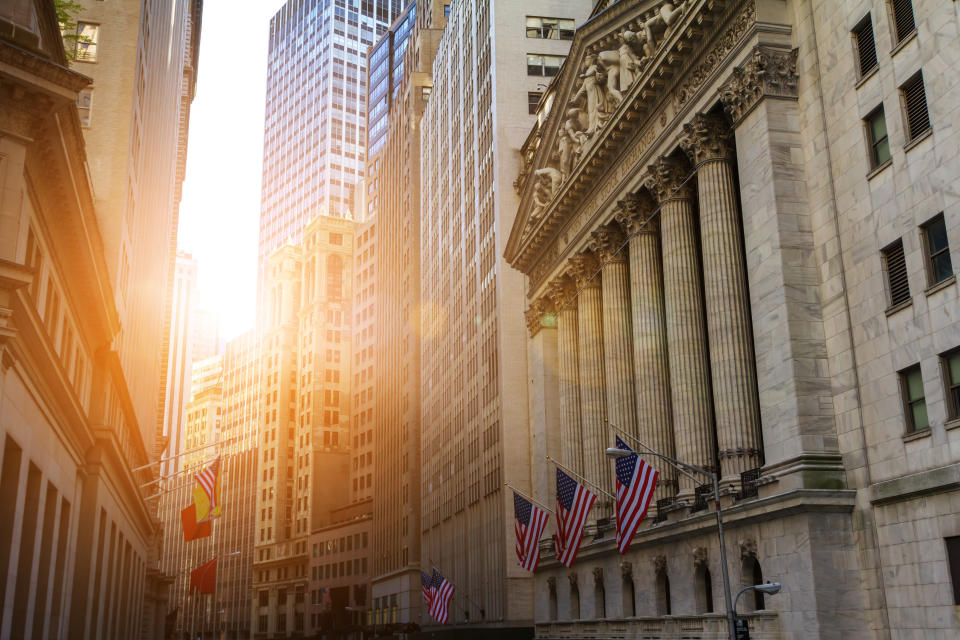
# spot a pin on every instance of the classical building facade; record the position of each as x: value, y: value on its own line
x: 473, y: 388
x: 735, y: 229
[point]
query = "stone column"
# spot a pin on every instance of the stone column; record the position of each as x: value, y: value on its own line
x: 686, y: 335
x: 650, y: 360
x: 562, y: 293
x: 545, y: 421
x: 593, y: 401
x: 608, y: 244
x: 707, y: 140
x: 793, y: 374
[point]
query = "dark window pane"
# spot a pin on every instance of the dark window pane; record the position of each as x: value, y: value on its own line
x: 903, y: 18
x: 915, y: 101
x: 953, y: 560
x: 866, y: 47
x: 896, y: 266
x: 942, y: 268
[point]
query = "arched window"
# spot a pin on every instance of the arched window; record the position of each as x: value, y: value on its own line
x: 334, y: 276
x: 629, y: 597
x: 751, y: 574
x: 703, y: 589
x: 664, y: 607
x: 574, y: 598
x: 599, y: 594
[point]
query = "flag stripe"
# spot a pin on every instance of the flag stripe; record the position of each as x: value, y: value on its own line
x: 636, y: 481
x: 574, y: 502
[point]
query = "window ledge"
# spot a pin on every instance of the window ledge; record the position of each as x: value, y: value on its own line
x: 940, y: 286
x: 899, y: 307
x: 863, y: 79
x: 953, y: 423
x: 880, y: 167
x: 910, y: 37
x: 916, y: 435
x: 920, y: 138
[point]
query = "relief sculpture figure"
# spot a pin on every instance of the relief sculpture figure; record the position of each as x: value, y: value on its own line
x: 665, y: 17
x: 630, y: 61
x: 592, y: 91
x: 610, y: 61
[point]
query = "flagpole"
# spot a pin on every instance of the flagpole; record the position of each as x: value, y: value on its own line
x: 680, y: 466
x: 183, y: 453
x: 433, y: 565
x: 715, y: 478
x: 582, y: 479
x: 528, y: 498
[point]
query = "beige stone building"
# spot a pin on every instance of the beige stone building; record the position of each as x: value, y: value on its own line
x: 473, y: 375
x: 735, y: 229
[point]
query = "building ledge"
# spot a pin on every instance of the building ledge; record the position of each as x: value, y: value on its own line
x: 763, y: 625
x: 916, y: 484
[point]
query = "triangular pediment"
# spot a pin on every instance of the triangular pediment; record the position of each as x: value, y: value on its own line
x: 616, y: 59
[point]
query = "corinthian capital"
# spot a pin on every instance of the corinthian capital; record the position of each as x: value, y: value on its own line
x: 583, y: 268
x: 707, y: 137
x: 606, y: 243
x: 539, y: 315
x: 561, y: 291
x: 666, y: 180
x: 770, y: 72
x: 635, y: 214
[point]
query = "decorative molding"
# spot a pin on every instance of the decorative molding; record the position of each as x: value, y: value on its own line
x: 771, y: 72
x: 572, y: 577
x: 607, y: 243
x: 666, y: 180
x: 707, y: 137
x: 659, y: 564
x: 626, y: 570
x: 635, y: 214
x: 552, y: 584
x: 748, y: 548
x: 699, y: 556
x: 598, y: 575
x: 562, y: 291
x: 540, y: 315
x: 583, y: 268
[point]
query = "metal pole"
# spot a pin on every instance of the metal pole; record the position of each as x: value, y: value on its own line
x: 528, y: 498
x: 731, y: 619
x: 582, y: 479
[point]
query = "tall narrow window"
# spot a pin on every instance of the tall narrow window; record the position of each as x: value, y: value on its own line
x: 866, y: 47
x: 914, y: 401
x: 915, y: 106
x: 953, y: 560
x: 533, y: 100
x: 950, y: 364
x: 939, y: 267
x: 895, y: 265
x: 903, y: 22
x: 876, y: 125
x: 86, y: 42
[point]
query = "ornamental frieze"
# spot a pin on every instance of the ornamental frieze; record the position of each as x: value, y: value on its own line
x: 558, y: 184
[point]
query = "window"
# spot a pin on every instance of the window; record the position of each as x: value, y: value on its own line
x: 953, y: 560
x: 915, y: 106
x: 895, y: 265
x: 264, y: 598
x: 86, y: 43
x: 550, y: 28
x: 914, y: 402
x: 950, y: 364
x: 538, y: 65
x: 903, y: 22
x: 866, y: 47
x: 84, y: 104
x: 939, y: 267
x: 877, y: 137
x: 336, y: 238
x: 446, y: 10
x: 533, y: 99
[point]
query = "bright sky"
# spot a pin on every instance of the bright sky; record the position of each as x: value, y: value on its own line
x: 220, y: 211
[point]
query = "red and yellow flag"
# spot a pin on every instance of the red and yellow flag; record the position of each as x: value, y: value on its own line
x: 193, y: 530
x: 206, y: 495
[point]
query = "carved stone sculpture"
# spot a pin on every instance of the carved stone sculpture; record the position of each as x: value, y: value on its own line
x: 631, y: 62
x: 598, y: 575
x: 748, y: 548
x: 591, y: 91
x: 664, y: 17
x: 699, y: 556
x: 610, y: 61
x: 626, y: 570
x: 659, y: 564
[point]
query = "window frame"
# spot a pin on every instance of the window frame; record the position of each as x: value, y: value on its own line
x: 872, y: 144
x: 533, y: 104
x: 952, y: 402
x: 900, y: 38
x: 928, y: 256
x: 543, y: 65
x: 885, y: 255
x: 865, y: 23
x: 81, y: 44
x: 556, y: 27
x: 908, y: 404
x: 908, y: 116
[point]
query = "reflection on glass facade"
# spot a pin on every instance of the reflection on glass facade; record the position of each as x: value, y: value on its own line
x: 386, y: 74
x: 315, y: 119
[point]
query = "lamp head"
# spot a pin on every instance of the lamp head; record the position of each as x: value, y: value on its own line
x: 770, y: 588
x: 613, y: 452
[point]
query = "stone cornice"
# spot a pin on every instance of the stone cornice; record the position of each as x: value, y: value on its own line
x: 626, y: 139
x: 20, y: 63
x: 771, y: 72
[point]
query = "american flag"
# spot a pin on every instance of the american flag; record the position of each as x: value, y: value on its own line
x: 442, y: 594
x: 529, y: 521
x: 207, y: 479
x: 635, y: 483
x: 425, y: 583
x: 573, y: 504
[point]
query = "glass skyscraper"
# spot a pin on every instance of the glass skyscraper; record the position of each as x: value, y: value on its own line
x: 315, y: 121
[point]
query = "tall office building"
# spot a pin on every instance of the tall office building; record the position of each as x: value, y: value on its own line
x: 473, y: 354
x: 135, y: 116
x: 399, y: 85
x: 205, y: 330
x: 315, y: 128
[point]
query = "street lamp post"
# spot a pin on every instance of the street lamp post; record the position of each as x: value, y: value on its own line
x: 686, y: 468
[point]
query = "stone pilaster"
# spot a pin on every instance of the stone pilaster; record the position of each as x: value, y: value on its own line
x: 542, y: 373
x: 686, y: 335
x: 593, y: 401
x: 562, y: 293
x: 608, y: 244
x: 707, y: 139
x: 650, y: 360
